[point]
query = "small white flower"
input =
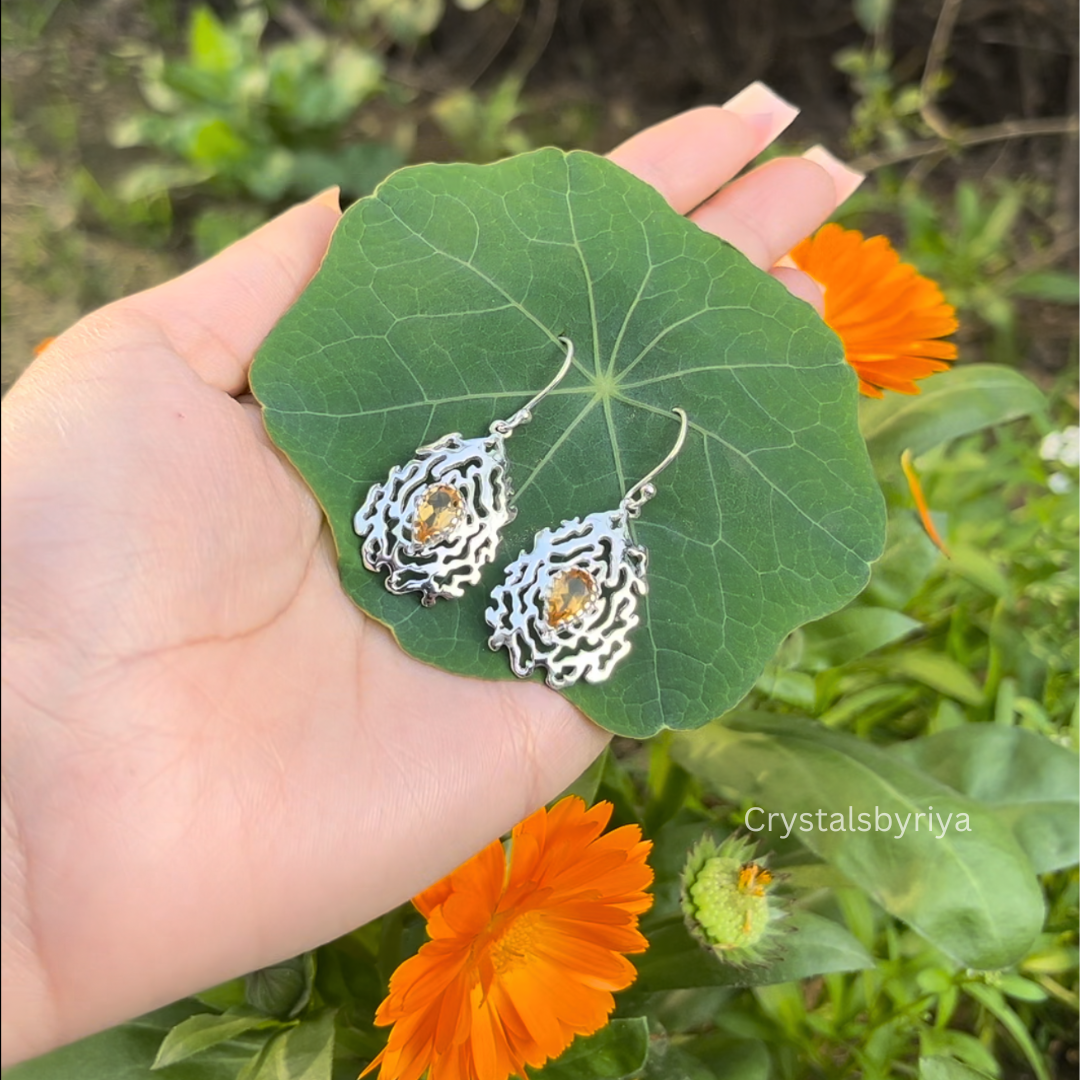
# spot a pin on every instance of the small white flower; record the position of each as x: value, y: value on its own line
x: 1059, y: 483
x: 1062, y: 446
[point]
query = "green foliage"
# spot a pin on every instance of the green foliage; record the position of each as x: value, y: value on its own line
x: 513, y: 255
x: 969, y: 398
x: 406, y: 21
x: 263, y: 121
x: 984, y: 256
x: 615, y: 1052
x: 1028, y: 781
x: 989, y: 634
x: 128, y: 1052
x: 977, y: 899
x: 482, y: 127
x: 884, y: 111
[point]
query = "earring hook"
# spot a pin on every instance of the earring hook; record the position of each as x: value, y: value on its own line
x: 524, y: 414
x: 644, y: 489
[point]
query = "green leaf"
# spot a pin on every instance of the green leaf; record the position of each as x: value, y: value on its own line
x: 615, y: 1052
x: 1028, y: 781
x: 283, y: 989
x: 969, y: 891
x: 873, y: 15
x: 1054, y: 286
x: 153, y: 178
x: 946, y: 1068
x: 938, y: 671
x: 407, y: 20
x: 268, y: 175
x: 216, y: 145
x: 852, y: 633
x: 732, y: 1059
x: 953, y: 403
x: 216, y: 227
x: 212, y: 47
x: 668, y: 1062
x: 811, y: 946
x: 127, y: 1052
x: 994, y: 1003
x: 358, y: 168
x: 437, y: 309
x: 945, y: 1042
x: 909, y: 558
x: 791, y: 687
x: 1016, y: 986
x: 226, y: 995
x: 204, y: 1030
x: 979, y: 568
x: 303, y: 1052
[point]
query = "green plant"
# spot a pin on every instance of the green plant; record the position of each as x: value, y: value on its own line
x: 261, y: 121
x: 482, y: 127
x: 886, y: 112
x: 989, y: 251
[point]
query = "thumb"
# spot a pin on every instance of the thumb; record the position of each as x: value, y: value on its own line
x: 216, y: 315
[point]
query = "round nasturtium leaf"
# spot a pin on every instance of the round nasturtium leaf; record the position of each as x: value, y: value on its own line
x: 438, y: 308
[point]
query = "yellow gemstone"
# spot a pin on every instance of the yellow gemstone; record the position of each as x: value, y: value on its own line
x: 570, y: 595
x: 438, y: 510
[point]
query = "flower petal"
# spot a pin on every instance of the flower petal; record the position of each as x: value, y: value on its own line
x: 521, y: 958
x: 883, y: 310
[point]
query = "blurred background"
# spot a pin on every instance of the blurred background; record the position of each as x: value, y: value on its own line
x: 142, y: 135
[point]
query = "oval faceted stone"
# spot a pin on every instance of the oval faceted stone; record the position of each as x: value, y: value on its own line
x: 570, y: 595
x: 438, y: 511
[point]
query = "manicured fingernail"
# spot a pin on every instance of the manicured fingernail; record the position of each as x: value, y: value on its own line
x: 330, y: 198
x: 764, y: 109
x: 844, y: 179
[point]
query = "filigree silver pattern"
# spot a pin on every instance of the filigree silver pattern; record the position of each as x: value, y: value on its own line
x: 435, y: 522
x: 570, y: 604
x: 589, y: 645
x: 442, y: 565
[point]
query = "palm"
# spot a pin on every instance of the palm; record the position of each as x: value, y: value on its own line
x: 208, y: 745
x: 263, y: 699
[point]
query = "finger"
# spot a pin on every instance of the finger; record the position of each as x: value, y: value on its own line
x: 688, y: 157
x: 767, y: 212
x: 801, y: 286
x: 216, y: 315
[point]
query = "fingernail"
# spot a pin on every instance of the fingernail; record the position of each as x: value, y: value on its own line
x: 846, y: 180
x: 330, y: 198
x: 764, y: 109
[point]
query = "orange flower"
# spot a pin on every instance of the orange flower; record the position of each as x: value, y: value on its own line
x: 522, y: 957
x: 883, y: 310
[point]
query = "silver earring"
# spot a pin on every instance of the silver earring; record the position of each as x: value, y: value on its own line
x: 570, y: 604
x: 435, y: 522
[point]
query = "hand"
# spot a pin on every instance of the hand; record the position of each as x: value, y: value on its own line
x: 211, y: 759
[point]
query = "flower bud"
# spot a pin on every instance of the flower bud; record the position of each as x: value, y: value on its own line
x: 726, y: 901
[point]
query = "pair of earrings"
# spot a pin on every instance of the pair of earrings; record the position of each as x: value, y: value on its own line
x: 568, y: 605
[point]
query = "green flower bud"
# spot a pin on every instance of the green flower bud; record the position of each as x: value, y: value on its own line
x: 726, y: 901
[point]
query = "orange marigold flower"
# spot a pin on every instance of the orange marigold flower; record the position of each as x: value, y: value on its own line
x: 522, y: 957
x: 884, y: 311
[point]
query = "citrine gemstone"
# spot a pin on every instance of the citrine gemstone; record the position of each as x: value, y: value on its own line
x: 438, y: 510
x: 570, y: 595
